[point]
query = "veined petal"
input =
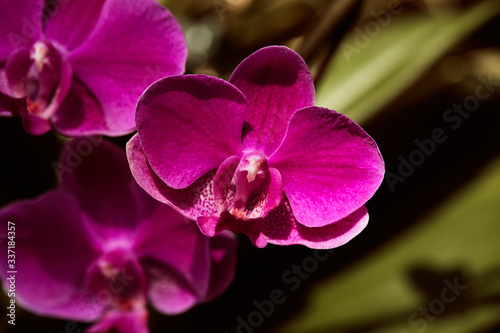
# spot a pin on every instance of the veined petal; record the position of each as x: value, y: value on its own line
x: 53, y: 249
x: 276, y: 82
x: 133, y: 44
x: 171, y: 240
x: 281, y: 227
x: 71, y: 23
x: 97, y: 172
x: 189, y: 125
x: 192, y: 201
x: 330, y: 167
x: 20, y: 24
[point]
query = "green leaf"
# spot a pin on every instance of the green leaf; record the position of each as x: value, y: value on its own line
x: 366, y: 75
x: 458, y: 240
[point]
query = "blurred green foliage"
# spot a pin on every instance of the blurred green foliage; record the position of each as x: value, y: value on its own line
x: 381, y: 292
x: 366, y: 73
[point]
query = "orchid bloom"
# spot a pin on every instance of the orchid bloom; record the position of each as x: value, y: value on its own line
x: 254, y: 156
x: 98, y: 247
x: 81, y: 66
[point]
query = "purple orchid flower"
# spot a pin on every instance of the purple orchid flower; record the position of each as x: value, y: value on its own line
x: 81, y: 66
x: 254, y: 155
x: 98, y: 247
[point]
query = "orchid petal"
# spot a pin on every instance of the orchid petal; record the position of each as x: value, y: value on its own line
x: 192, y: 201
x: 222, y: 254
x: 133, y: 44
x: 16, y: 71
x: 78, y: 15
x: 80, y: 113
x: 51, y: 265
x: 283, y: 229
x: 169, y: 239
x: 189, y: 125
x: 20, y: 24
x: 330, y: 167
x: 102, y: 189
x: 169, y: 291
x: 276, y: 82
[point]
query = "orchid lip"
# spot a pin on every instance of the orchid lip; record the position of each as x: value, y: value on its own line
x: 118, y: 276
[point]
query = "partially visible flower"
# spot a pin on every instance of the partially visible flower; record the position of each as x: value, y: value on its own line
x: 98, y: 247
x: 81, y: 65
x: 254, y: 155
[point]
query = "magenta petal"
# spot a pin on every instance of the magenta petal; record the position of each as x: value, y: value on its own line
x: 192, y: 201
x: 283, y: 229
x: 276, y: 82
x: 133, y: 44
x: 175, y: 256
x: 329, y: 165
x: 223, y: 258
x: 69, y: 24
x: 189, y: 125
x: 134, y: 321
x: 169, y: 291
x: 20, y: 24
x: 15, y: 71
x: 80, y: 113
x: 53, y: 250
x: 97, y: 173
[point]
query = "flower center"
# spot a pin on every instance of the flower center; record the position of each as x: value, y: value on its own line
x: 116, y: 279
x: 48, y: 79
x: 249, y: 176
